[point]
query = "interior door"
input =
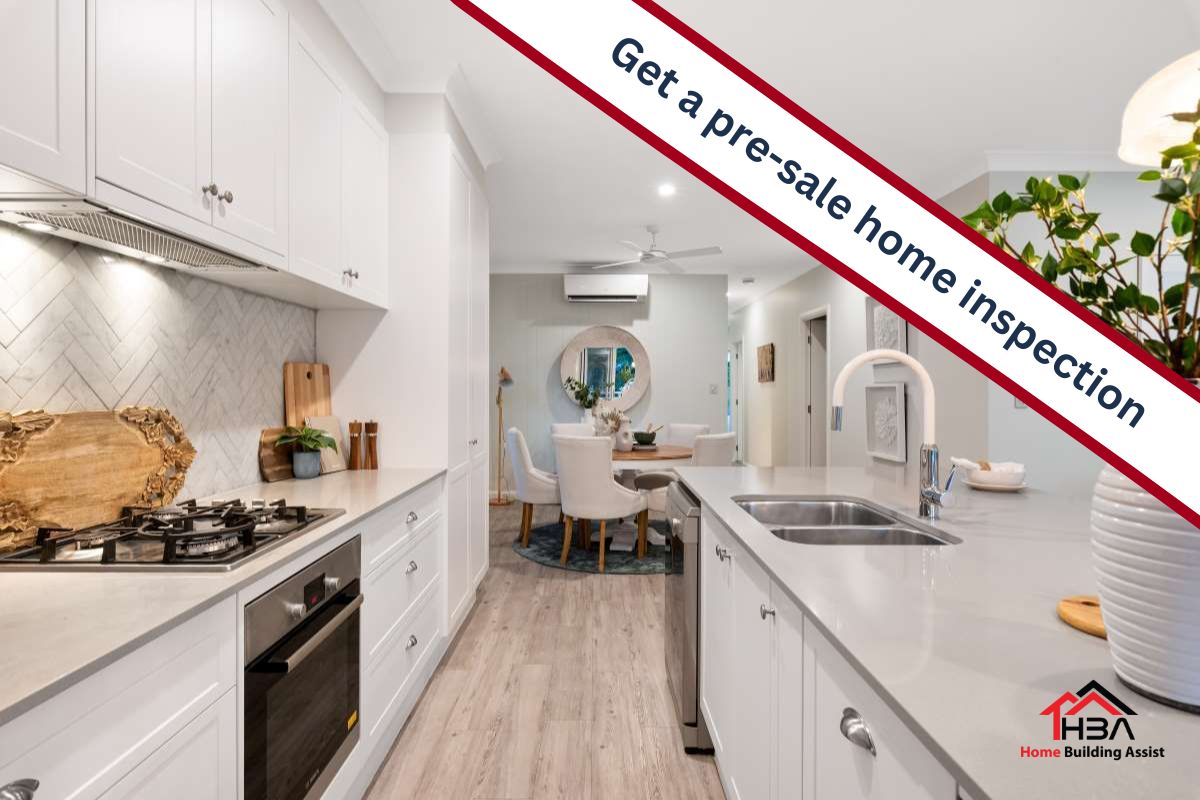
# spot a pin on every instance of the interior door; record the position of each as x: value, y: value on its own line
x: 818, y: 392
x: 42, y: 102
x: 250, y: 117
x: 154, y: 100
x: 315, y: 172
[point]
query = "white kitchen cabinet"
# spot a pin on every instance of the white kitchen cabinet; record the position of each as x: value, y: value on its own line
x: 250, y: 120
x: 154, y: 101
x: 900, y: 767
x: 750, y: 746
x: 364, y: 203
x: 789, y: 680
x: 42, y: 124
x: 717, y: 696
x: 315, y: 186
x: 460, y: 591
x: 198, y: 762
x: 480, y: 378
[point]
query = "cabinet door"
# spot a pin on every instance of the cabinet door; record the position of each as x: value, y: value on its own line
x: 199, y: 761
x: 900, y: 767
x: 249, y: 121
x: 42, y: 48
x: 718, y: 694
x: 458, y: 544
x: 479, y: 517
x: 460, y: 433
x: 154, y: 100
x: 788, y: 725
x: 315, y: 174
x: 752, y: 672
x: 481, y: 373
x: 365, y: 201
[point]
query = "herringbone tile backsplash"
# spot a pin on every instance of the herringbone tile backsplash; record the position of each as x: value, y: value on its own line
x: 83, y: 330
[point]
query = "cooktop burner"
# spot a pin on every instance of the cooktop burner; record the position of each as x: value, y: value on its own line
x: 215, y: 535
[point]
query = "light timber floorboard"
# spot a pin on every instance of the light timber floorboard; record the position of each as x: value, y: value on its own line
x: 554, y: 688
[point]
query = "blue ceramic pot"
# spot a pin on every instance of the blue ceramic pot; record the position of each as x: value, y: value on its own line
x: 306, y: 465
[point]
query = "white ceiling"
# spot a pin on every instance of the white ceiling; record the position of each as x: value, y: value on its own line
x: 927, y: 88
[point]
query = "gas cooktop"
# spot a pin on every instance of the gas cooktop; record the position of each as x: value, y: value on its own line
x: 215, y: 535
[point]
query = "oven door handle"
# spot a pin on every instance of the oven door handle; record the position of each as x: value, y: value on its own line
x: 306, y: 649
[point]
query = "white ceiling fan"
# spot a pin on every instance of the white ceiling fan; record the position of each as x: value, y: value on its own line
x: 654, y: 255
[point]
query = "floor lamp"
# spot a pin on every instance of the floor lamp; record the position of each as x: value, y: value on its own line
x: 503, y: 378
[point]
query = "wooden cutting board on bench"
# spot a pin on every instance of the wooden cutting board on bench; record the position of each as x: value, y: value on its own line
x: 306, y: 392
x: 81, y: 469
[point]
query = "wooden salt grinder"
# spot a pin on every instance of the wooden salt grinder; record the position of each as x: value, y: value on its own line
x: 372, y: 449
x: 355, y: 460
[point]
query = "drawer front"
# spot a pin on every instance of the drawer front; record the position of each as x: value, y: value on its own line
x: 388, y: 680
x: 392, y: 526
x: 81, y: 742
x: 392, y: 589
x: 900, y: 767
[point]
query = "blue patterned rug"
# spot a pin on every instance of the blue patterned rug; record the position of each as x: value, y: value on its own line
x: 545, y: 547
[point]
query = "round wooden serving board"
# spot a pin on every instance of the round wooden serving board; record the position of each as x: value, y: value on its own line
x: 663, y: 453
x: 1082, y: 611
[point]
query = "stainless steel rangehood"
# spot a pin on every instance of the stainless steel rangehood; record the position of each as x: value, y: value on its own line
x: 92, y: 224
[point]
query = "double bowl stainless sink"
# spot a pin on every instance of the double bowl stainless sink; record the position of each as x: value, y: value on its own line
x: 838, y: 520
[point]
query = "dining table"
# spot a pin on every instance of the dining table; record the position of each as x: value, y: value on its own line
x: 662, y: 457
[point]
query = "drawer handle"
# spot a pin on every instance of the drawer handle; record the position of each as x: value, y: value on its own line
x: 350, y: 273
x: 765, y: 612
x: 412, y: 567
x: 412, y: 642
x: 723, y: 553
x: 23, y: 789
x: 411, y: 518
x: 855, y: 729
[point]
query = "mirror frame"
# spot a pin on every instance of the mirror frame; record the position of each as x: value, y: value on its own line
x: 608, y: 336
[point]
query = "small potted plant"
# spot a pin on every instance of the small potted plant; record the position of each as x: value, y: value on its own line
x: 646, y: 438
x: 307, y: 444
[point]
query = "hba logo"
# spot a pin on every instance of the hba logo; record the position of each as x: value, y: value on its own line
x: 1092, y: 713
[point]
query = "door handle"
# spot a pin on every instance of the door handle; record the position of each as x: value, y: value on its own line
x: 855, y: 729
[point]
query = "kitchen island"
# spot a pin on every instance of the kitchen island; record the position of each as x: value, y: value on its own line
x: 959, y: 641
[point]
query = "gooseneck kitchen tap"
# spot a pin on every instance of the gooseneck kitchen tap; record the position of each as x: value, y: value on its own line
x: 931, y: 496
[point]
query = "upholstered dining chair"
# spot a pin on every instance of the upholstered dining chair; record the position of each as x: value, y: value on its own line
x: 708, y: 450
x: 572, y: 429
x: 534, y: 487
x: 588, y: 491
x: 682, y: 435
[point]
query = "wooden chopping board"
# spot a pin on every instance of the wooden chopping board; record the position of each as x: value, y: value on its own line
x: 1082, y: 611
x: 306, y: 392
x: 75, y: 470
x: 274, y: 463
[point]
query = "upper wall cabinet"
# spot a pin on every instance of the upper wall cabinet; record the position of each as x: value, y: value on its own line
x: 364, y: 203
x: 42, y: 124
x: 194, y: 116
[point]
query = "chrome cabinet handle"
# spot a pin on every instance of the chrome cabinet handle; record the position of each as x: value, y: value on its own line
x: 210, y: 189
x: 350, y: 273
x: 22, y: 789
x: 227, y: 197
x: 412, y: 642
x: 855, y: 729
x: 411, y: 518
x: 412, y: 567
x: 765, y: 612
x: 723, y: 553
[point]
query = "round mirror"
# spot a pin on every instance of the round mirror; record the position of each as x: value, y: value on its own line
x: 605, y: 364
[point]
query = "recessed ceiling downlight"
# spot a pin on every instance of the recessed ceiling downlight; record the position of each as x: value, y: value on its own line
x: 666, y: 190
x: 36, y: 227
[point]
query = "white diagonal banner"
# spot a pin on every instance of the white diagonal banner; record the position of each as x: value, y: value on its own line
x: 730, y: 129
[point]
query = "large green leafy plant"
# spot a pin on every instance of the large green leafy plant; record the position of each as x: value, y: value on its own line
x: 309, y: 440
x: 1082, y: 258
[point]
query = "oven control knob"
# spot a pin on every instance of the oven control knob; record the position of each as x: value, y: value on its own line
x: 296, y: 611
x: 332, y: 584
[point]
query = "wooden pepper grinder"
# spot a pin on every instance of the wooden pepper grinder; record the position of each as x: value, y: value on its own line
x: 356, y: 435
x: 372, y: 449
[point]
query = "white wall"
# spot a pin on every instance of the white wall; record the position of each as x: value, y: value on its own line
x: 682, y: 325
x: 776, y: 416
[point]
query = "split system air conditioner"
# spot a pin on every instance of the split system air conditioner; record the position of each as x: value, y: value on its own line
x: 605, y: 288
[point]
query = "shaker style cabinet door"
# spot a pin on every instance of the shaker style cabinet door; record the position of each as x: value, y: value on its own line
x: 754, y: 633
x: 315, y: 185
x: 154, y: 101
x: 250, y: 119
x: 42, y: 122
x: 718, y: 692
x: 364, y: 202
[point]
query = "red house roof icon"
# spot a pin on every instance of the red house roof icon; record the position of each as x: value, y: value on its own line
x: 1092, y: 692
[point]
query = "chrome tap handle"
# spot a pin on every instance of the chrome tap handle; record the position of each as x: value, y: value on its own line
x: 950, y: 479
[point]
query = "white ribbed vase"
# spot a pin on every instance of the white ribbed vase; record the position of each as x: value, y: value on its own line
x: 1147, y: 562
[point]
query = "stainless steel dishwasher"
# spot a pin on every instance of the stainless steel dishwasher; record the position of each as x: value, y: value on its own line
x: 682, y: 618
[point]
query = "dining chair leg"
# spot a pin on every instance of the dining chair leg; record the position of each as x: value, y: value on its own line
x: 642, y: 519
x: 526, y: 523
x: 585, y: 533
x: 560, y: 515
x: 602, y: 523
x: 566, y: 551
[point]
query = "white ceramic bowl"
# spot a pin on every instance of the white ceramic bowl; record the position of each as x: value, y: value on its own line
x: 1147, y: 561
x: 1006, y: 474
